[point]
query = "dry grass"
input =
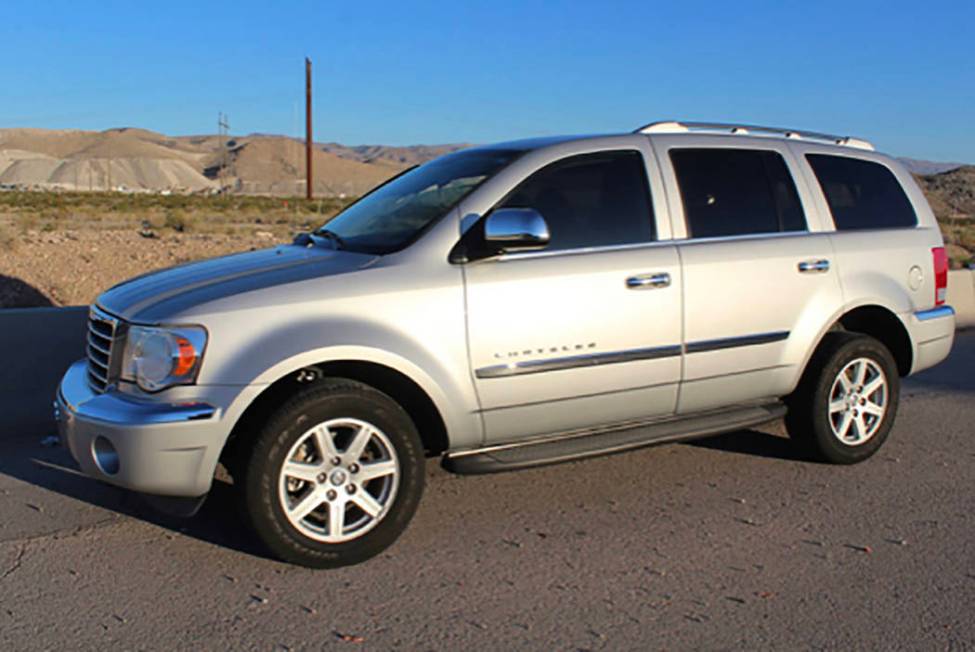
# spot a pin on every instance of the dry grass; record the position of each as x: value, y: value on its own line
x: 23, y: 212
x: 8, y: 239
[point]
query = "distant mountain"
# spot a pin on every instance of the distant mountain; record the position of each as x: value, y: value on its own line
x: 389, y: 155
x: 921, y: 167
x: 142, y: 160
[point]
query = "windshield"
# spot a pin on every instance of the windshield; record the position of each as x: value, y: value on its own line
x: 395, y: 214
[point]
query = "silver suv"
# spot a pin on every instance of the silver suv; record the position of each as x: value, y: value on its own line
x: 514, y: 305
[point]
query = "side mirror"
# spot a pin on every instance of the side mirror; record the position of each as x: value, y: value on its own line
x: 516, y: 228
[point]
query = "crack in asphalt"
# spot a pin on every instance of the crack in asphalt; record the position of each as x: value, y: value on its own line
x: 66, y: 533
x: 18, y: 560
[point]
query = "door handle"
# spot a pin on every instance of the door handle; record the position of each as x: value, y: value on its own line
x: 814, y: 266
x: 648, y: 281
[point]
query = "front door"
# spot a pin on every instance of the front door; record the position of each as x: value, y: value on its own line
x: 586, y: 332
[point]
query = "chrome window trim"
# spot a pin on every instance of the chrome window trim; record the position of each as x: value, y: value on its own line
x: 582, y: 250
x: 747, y: 236
x: 935, y: 313
x: 655, y: 243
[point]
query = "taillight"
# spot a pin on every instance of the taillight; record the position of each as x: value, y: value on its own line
x: 940, y: 275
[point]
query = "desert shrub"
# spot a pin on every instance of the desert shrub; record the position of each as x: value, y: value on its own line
x: 179, y: 221
x: 27, y: 221
x: 965, y: 235
x: 8, y: 239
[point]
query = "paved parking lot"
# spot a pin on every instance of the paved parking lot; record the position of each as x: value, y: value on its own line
x: 730, y: 542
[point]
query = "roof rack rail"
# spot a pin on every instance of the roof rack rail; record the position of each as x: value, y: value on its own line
x: 674, y: 127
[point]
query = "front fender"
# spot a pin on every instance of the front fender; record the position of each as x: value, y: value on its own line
x: 441, y: 371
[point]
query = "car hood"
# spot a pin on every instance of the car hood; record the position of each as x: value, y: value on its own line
x: 158, y: 296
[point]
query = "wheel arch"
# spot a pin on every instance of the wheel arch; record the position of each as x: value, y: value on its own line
x: 880, y: 323
x: 407, y: 392
x: 883, y: 325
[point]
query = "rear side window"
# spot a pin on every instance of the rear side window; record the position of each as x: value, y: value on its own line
x: 736, y: 192
x: 862, y: 194
x: 591, y: 200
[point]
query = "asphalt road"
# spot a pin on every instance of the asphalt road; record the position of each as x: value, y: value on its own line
x: 731, y: 542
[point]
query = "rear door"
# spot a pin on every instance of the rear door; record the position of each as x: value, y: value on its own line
x: 759, y: 276
x: 587, y: 331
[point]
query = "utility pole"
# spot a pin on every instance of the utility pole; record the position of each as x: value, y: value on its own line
x: 109, y: 161
x: 223, y: 129
x: 308, y: 136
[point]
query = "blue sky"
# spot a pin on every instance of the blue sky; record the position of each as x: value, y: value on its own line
x: 899, y: 73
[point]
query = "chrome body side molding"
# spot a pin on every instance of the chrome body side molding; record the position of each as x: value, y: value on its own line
x: 732, y: 342
x: 571, y: 362
x: 630, y: 355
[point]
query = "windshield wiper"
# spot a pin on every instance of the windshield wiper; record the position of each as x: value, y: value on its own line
x: 336, y: 239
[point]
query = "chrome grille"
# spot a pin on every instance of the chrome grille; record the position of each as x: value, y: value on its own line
x: 102, y: 329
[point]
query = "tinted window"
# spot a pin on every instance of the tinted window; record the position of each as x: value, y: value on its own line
x: 736, y: 192
x: 591, y: 200
x: 862, y: 194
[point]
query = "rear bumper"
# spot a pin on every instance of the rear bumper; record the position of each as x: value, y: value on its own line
x: 932, y: 333
x: 160, y: 448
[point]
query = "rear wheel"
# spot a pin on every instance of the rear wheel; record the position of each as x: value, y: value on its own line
x: 845, y: 405
x: 335, y: 475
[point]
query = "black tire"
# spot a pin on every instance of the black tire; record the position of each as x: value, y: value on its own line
x: 808, y: 420
x: 329, y: 399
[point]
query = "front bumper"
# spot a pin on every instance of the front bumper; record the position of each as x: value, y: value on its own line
x: 169, y: 449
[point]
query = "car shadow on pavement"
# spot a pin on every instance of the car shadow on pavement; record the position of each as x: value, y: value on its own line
x: 50, y: 467
x: 753, y: 443
x: 218, y: 522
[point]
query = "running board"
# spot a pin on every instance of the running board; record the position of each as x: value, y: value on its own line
x: 611, y: 439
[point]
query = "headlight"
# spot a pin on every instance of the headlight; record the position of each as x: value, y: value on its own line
x: 157, y: 358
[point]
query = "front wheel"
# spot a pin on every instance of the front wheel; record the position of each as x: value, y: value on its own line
x: 845, y: 405
x: 335, y: 475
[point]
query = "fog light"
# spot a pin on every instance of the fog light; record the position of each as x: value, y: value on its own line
x: 106, y: 457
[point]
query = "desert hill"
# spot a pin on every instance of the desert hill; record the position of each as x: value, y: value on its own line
x: 142, y: 160
x: 952, y: 193
x: 276, y: 165
x: 392, y: 156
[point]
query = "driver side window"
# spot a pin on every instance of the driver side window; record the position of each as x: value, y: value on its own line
x: 591, y: 200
